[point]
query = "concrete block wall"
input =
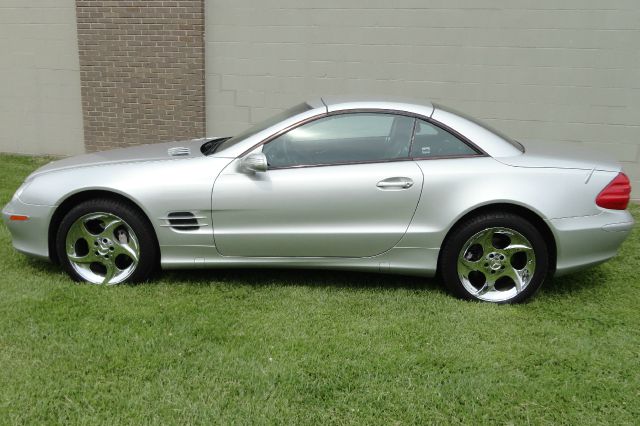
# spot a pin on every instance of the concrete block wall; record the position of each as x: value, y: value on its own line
x: 539, y: 70
x: 40, y: 107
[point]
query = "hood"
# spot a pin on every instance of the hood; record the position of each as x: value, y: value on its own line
x: 561, y: 155
x: 152, y: 152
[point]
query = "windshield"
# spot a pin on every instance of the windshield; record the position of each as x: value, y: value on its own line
x: 257, y: 128
x: 512, y: 141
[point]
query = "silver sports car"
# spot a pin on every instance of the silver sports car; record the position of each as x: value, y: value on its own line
x: 378, y: 185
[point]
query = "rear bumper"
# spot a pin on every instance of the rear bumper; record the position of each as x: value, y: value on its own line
x: 30, y: 236
x: 589, y: 240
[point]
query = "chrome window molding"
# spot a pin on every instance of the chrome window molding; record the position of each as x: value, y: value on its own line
x: 479, y: 151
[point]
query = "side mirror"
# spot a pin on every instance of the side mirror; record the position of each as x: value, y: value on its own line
x: 254, y: 163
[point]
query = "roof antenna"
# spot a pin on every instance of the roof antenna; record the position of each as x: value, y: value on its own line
x: 325, y: 105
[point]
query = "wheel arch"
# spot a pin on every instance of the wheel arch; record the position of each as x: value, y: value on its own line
x: 74, y: 199
x: 518, y: 210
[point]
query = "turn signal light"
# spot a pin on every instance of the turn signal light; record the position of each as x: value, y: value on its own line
x: 616, y: 195
x: 18, y: 217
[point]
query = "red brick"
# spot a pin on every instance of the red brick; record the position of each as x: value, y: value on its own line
x: 142, y: 71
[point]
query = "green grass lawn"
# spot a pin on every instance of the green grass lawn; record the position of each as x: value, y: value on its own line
x: 233, y: 346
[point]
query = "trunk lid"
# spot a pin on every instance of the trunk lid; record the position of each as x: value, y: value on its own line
x: 561, y: 155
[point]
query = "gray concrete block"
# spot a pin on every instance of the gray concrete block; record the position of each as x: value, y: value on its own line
x: 564, y: 71
x: 39, y: 67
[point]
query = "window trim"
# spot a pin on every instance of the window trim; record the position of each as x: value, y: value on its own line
x: 479, y: 151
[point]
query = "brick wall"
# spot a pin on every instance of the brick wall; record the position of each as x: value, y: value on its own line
x: 142, y: 71
x: 539, y: 70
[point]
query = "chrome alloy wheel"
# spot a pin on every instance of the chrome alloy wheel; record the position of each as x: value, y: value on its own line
x: 496, y: 264
x: 102, y: 248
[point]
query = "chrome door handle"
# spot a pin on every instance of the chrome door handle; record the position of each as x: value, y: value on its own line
x: 395, y: 183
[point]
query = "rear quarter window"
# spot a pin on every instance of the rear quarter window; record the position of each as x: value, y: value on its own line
x: 484, y: 125
x: 432, y: 141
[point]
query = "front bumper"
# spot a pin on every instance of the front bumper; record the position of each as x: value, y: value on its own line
x: 30, y: 236
x: 589, y: 240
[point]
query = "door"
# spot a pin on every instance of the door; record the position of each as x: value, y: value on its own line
x: 339, y: 186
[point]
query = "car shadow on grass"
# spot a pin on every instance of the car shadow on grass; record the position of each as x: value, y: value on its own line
x: 298, y: 277
x: 577, y: 282
x: 264, y: 277
x: 560, y: 286
x: 39, y: 266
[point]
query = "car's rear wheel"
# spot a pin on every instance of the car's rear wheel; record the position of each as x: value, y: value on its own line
x: 496, y: 257
x: 106, y: 242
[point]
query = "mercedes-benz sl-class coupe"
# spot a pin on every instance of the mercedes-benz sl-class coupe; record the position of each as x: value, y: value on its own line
x: 377, y: 185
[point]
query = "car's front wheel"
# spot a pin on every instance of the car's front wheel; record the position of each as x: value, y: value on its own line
x: 105, y: 241
x: 495, y: 257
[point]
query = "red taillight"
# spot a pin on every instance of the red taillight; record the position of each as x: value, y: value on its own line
x: 616, y: 195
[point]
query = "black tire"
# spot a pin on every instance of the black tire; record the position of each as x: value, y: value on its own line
x: 463, y: 233
x: 148, y: 260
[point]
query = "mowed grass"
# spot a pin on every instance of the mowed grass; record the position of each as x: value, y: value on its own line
x: 312, y: 347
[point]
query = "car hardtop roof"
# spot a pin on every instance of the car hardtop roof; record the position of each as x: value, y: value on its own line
x: 340, y: 103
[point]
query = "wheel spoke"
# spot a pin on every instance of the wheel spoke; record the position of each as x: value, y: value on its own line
x: 466, y: 266
x: 486, y: 287
x: 78, y: 231
x: 88, y: 258
x: 125, y: 249
x: 518, y: 276
x: 486, y: 240
x: 512, y: 249
x: 111, y: 271
x: 519, y: 240
x: 111, y: 226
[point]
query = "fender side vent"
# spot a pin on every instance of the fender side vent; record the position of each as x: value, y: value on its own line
x: 183, y: 221
x: 178, y: 151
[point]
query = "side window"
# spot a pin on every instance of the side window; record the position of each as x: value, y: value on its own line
x: 432, y: 141
x: 343, y: 138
